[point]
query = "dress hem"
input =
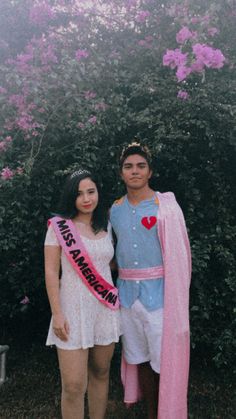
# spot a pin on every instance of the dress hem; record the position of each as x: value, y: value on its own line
x: 83, y: 347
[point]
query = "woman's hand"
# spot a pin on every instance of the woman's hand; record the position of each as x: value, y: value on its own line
x: 60, y: 326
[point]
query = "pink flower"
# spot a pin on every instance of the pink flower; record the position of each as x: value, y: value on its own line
x: 142, y: 43
x: 182, y: 94
x: 182, y: 72
x: 149, y: 38
x: 89, y: 95
x: 101, y: 106
x: 130, y: 3
x: 18, y: 101
x: 212, y: 31
x: 48, y: 56
x: 5, y: 143
x: 208, y: 56
x: 174, y: 58
x: 80, y: 125
x: 23, y: 60
x: 9, y: 125
x: 146, y: 42
x: 81, y: 53
x: 142, y: 16
x: 195, y: 20
x: 206, y: 18
x: 217, y: 60
x: 7, y: 173
x: 114, y: 54
x: 25, y: 122
x: 41, y: 14
x: 25, y: 300
x: 3, y: 146
x: 183, y: 35
x: 92, y: 120
x: 2, y: 90
x: 197, y: 66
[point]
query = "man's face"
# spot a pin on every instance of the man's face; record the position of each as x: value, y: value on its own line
x: 135, y: 172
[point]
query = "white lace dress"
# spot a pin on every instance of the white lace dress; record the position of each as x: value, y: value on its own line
x: 91, y: 323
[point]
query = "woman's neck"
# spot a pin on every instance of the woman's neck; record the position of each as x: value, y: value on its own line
x: 84, y: 218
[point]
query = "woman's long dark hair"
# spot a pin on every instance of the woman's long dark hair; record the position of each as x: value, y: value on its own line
x: 69, y: 194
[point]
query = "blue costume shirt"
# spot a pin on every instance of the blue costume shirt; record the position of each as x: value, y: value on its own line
x: 138, y: 246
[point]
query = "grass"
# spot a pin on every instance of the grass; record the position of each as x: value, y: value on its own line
x: 32, y: 389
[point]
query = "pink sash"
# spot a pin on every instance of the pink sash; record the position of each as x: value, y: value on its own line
x: 143, y: 274
x: 77, y: 255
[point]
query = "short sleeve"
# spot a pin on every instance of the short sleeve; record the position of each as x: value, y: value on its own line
x: 51, y: 238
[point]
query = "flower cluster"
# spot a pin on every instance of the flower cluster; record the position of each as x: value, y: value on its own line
x: 146, y: 42
x: 93, y: 120
x: 142, y: 16
x: 184, y: 35
x: 2, y: 90
x: 207, y: 56
x: 174, y: 58
x: 5, y: 143
x: 8, y: 173
x: 212, y: 31
x: 26, y: 123
x: 101, y: 106
x: 201, y: 56
x: 182, y: 94
x: 41, y: 13
x: 89, y: 95
x: 81, y: 53
x: 43, y: 75
x: 25, y: 300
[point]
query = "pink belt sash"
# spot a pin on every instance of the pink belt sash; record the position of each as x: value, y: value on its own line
x: 142, y: 274
x: 77, y: 255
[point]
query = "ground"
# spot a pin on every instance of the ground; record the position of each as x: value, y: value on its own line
x: 32, y: 390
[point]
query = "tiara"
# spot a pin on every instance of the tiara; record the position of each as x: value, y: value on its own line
x: 143, y: 148
x: 80, y: 172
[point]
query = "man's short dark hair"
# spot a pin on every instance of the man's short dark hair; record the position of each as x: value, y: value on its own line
x: 136, y: 148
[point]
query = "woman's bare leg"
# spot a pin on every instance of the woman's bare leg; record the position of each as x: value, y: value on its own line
x: 74, y: 372
x: 98, y: 379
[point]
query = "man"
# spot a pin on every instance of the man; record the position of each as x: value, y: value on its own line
x: 153, y: 257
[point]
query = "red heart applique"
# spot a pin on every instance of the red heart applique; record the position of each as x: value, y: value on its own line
x: 148, y: 222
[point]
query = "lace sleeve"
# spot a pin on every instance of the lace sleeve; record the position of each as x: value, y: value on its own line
x: 51, y: 238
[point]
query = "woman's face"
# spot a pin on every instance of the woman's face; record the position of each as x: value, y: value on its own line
x: 87, y: 198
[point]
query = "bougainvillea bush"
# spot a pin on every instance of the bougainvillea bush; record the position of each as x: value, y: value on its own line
x: 79, y: 79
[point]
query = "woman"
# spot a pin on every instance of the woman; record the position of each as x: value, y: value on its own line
x: 84, y: 302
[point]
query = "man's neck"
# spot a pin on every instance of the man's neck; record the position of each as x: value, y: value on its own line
x: 135, y: 196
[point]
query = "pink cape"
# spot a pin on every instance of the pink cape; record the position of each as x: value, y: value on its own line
x: 174, y: 371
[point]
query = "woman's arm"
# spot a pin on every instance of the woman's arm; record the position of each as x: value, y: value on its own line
x: 52, y: 268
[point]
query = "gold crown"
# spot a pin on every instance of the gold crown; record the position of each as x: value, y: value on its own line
x: 143, y: 148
